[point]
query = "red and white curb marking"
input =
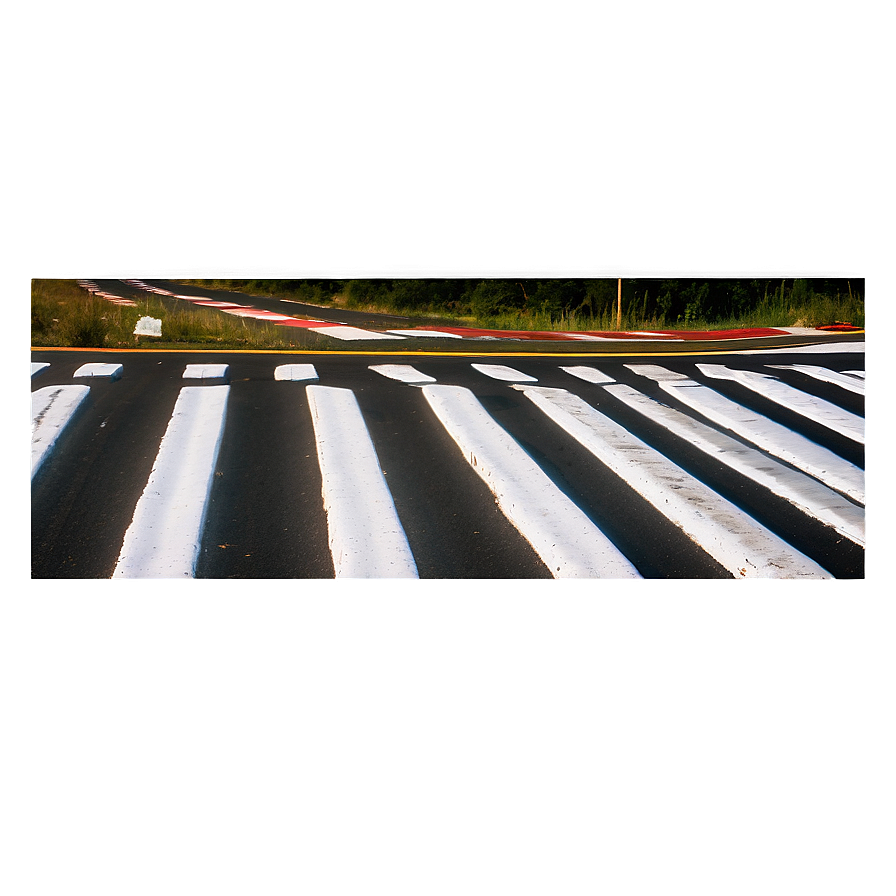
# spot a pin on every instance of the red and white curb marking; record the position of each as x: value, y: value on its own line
x: 347, y: 332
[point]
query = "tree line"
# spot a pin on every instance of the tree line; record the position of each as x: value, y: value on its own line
x: 673, y: 301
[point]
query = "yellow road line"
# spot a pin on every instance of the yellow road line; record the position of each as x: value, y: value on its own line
x: 416, y: 354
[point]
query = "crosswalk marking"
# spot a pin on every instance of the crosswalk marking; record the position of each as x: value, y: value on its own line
x: 828, y: 376
x: 365, y: 535
x: 205, y: 371
x: 589, y: 374
x: 404, y: 373
x: 504, y: 373
x: 734, y: 539
x: 569, y: 544
x: 437, y: 333
x: 767, y: 434
x: 340, y: 331
x: 801, y: 490
x: 810, y: 407
x: 824, y: 348
x: 295, y: 372
x: 108, y: 371
x: 52, y: 409
x: 164, y: 536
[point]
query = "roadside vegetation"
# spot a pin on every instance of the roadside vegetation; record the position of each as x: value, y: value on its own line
x: 584, y: 304
x: 65, y: 315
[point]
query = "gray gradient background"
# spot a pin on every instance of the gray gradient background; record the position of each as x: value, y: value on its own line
x: 532, y: 738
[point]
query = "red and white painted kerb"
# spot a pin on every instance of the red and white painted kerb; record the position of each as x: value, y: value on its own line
x: 346, y: 332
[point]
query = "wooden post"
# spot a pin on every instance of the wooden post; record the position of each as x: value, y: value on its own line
x: 619, y: 306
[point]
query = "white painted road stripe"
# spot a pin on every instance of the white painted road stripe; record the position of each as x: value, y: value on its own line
x: 52, y: 408
x: 734, y: 539
x: 295, y: 373
x: 205, y: 371
x: 404, y: 373
x: 858, y: 373
x: 437, y: 333
x: 830, y: 348
x: 808, y: 406
x: 37, y: 367
x: 589, y: 374
x: 365, y: 535
x: 506, y: 374
x: 568, y: 542
x: 339, y: 331
x: 164, y: 536
x: 110, y: 371
x: 770, y: 436
x: 828, y: 376
x: 256, y: 314
x: 804, y: 492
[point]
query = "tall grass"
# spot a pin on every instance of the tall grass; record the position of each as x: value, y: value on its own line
x: 64, y: 315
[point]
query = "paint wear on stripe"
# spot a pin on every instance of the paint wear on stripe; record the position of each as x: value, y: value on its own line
x: 733, y: 538
x: 164, y: 536
x: 808, y: 406
x: 804, y: 492
x: 769, y: 435
x: 567, y: 541
x: 845, y: 381
x: 365, y: 535
x: 52, y: 409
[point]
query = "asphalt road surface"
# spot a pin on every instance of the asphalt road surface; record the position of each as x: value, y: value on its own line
x: 448, y: 466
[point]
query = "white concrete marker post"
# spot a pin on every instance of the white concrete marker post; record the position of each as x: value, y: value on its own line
x: 164, y: 537
x: 737, y: 541
x: 365, y: 535
x: 568, y: 542
x: 52, y: 409
x: 148, y: 326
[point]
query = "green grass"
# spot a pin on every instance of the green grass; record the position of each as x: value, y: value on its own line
x: 65, y: 315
